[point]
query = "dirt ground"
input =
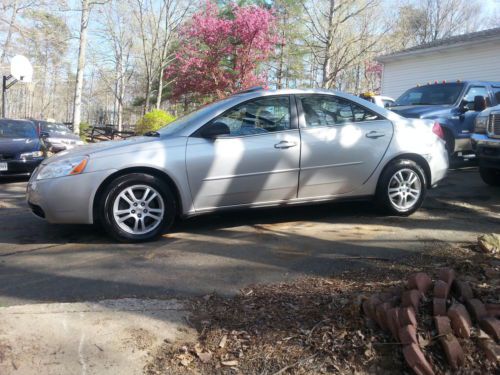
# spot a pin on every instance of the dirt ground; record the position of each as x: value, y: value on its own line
x: 268, y: 291
x: 223, y: 253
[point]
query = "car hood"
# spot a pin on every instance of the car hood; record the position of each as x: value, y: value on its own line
x: 420, y: 111
x: 96, y: 148
x: 18, y: 145
x: 60, y: 135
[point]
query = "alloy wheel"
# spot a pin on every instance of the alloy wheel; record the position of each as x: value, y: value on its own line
x: 138, y: 209
x: 404, y: 189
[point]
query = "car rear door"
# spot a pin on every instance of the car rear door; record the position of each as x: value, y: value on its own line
x: 257, y: 163
x: 342, y: 144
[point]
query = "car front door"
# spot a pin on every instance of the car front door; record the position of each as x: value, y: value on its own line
x: 256, y: 163
x: 342, y: 144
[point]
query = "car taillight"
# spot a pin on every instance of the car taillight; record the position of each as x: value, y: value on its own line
x: 438, y: 130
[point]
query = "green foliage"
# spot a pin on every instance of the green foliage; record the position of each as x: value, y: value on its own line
x: 154, y: 120
x: 84, y: 126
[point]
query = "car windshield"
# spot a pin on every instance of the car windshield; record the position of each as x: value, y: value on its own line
x: 17, y: 129
x: 54, y: 128
x: 438, y: 94
x: 200, y: 113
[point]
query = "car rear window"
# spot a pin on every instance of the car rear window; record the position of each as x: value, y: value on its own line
x: 17, y: 129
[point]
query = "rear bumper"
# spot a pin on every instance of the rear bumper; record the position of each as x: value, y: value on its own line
x: 438, y: 163
x: 19, y: 167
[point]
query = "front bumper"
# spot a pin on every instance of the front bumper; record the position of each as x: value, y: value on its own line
x: 487, y: 150
x: 19, y: 167
x: 65, y: 200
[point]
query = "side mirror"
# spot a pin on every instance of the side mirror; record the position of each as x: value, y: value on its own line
x: 388, y: 105
x: 463, y: 106
x: 44, y: 135
x: 479, y: 103
x: 214, y: 130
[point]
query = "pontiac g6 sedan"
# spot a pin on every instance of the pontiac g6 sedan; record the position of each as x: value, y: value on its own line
x: 258, y: 148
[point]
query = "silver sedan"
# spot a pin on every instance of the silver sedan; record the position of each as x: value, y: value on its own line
x: 257, y: 148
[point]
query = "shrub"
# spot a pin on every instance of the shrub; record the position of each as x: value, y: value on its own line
x: 84, y: 126
x: 153, y: 121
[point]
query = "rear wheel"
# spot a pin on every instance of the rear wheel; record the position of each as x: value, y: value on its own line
x: 137, y: 207
x: 402, y: 187
x: 491, y: 176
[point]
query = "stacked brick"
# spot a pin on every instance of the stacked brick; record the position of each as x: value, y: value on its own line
x: 396, y: 313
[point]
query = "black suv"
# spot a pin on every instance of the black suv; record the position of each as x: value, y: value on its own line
x: 21, y: 149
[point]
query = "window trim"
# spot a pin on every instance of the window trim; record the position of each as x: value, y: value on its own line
x: 292, y: 108
x: 302, y: 119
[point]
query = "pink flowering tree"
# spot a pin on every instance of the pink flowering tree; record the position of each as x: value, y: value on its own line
x: 219, y: 54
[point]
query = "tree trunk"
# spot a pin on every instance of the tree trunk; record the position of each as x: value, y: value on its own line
x: 160, y: 89
x: 145, y: 108
x: 77, y: 108
x: 327, y: 81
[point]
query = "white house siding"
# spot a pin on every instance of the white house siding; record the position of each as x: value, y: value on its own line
x: 480, y: 61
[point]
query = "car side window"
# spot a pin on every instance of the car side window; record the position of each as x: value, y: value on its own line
x: 473, y: 92
x: 496, y: 92
x: 331, y: 111
x: 257, y: 116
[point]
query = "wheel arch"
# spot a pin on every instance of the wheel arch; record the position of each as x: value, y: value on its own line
x: 122, y: 172
x: 420, y: 160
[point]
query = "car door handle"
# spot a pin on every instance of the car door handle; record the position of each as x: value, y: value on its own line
x: 285, y: 144
x: 375, y: 134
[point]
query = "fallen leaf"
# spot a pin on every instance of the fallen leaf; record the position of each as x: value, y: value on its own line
x: 205, y: 357
x: 223, y: 341
x: 230, y: 363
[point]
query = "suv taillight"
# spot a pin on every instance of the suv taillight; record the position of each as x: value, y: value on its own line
x: 438, y: 130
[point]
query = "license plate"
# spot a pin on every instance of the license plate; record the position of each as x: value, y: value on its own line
x: 3, y: 167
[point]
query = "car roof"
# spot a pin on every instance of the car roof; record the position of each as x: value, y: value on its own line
x: 16, y: 120
x: 219, y: 107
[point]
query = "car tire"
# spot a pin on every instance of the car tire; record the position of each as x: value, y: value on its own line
x: 137, y: 207
x: 401, y: 188
x: 491, y: 176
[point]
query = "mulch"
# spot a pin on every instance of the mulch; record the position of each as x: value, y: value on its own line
x: 314, y: 325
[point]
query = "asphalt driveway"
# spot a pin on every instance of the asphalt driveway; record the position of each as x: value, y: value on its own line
x: 40, y: 262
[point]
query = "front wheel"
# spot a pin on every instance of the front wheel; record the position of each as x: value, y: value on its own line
x: 490, y: 176
x: 137, y: 207
x: 402, y: 187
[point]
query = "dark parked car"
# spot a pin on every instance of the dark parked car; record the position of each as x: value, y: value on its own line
x: 57, y: 137
x: 21, y: 149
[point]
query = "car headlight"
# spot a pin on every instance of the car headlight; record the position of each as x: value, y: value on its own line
x: 480, y: 124
x: 65, y: 167
x: 31, y: 155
